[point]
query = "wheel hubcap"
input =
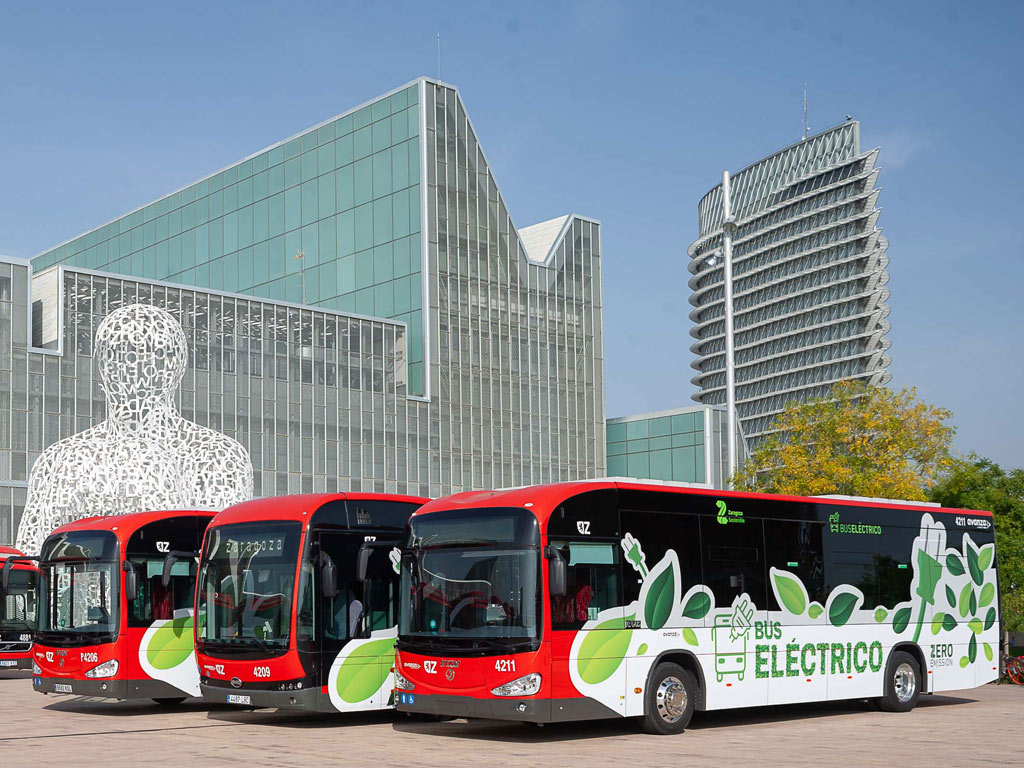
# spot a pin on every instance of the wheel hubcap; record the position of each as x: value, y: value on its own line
x: 905, y: 683
x: 671, y: 699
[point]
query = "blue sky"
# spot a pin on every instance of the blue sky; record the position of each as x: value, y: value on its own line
x: 627, y: 112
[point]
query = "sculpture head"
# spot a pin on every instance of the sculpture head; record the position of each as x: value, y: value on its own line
x: 141, y: 352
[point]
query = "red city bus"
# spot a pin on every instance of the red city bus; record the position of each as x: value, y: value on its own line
x: 116, y: 607
x: 283, y: 619
x: 19, y: 599
x: 615, y: 599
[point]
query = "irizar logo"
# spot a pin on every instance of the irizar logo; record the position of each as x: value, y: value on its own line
x: 583, y: 526
x: 163, y: 546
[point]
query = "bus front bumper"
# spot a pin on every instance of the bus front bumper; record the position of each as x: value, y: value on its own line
x: 305, y: 699
x: 524, y: 710
x: 108, y: 688
x: 6, y: 664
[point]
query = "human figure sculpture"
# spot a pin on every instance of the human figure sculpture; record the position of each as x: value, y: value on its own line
x: 144, y: 455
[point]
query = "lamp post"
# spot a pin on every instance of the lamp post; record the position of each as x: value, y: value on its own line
x: 728, y: 229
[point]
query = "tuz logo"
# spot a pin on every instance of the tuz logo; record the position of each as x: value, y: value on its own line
x: 430, y: 667
x: 583, y: 526
x: 163, y: 546
x: 49, y: 656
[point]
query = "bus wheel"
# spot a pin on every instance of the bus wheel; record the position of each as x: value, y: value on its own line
x: 902, y: 683
x: 671, y: 696
x: 170, y: 701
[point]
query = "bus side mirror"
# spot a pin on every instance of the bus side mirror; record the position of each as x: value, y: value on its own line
x: 556, y: 571
x: 362, y: 562
x: 328, y: 576
x: 131, y: 581
x: 8, y: 564
x: 169, y: 560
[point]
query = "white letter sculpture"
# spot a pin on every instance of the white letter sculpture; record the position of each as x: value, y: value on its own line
x: 144, y: 455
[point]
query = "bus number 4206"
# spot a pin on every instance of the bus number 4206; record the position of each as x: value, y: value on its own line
x: 505, y: 665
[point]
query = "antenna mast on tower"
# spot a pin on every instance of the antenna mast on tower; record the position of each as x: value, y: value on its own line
x: 805, y: 111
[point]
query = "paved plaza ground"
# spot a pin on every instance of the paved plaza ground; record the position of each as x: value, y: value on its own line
x: 976, y: 727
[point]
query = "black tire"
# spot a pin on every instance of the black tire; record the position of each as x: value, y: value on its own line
x: 902, y: 683
x: 669, y: 701
x: 170, y: 701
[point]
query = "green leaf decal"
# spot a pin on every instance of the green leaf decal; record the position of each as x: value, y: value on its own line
x: 602, y: 650
x: 949, y: 622
x: 950, y: 596
x: 964, y: 661
x: 975, y: 625
x: 170, y: 645
x: 972, y: 649
x: 790, y: 592
x: 985, y: 557
x: 697, y: 606
x: 642, y: 649
x: 987, y: 593
x: 841, y: 608
x: 937, y: 620
x: 974, y: 602
x: 364, y: 671
x: 880, y: 614
x: 990, y: 617
x: 972, y: 564
x: 929, y: 571
x: 658, y: 604
x: 690, y: 636
x: 988, y: 651
x: 900, y: 620
x: 965, y: 599
x: 954, y: 565
x: 815, y: 610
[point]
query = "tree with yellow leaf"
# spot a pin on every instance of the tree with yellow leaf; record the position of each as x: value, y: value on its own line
x: 859, y: 440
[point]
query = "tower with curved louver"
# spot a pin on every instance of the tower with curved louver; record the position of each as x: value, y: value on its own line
x: 809, y: 267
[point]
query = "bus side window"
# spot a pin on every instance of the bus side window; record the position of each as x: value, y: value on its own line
x: 895, y: 571
x: 734, y: 560
x: 657, y: 532
x: 795, y: 546
x: 856, y: 568
x: 592, y: 583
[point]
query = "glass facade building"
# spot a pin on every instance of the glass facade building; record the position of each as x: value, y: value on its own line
x: 361, y: 309
x: 809, y: 267
x: 681, y: 445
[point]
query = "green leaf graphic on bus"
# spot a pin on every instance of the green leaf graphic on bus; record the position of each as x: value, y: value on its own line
x: 988, y: 592
x: 841, y: 606
x: 171, y: 644
x: 363, y: 673
x: 900, y: 620
x: 985, y: 556
x: 789, y: 591
x: 950, y: 594
x: 697, y: 606
x: 603, y: 649
x: 954, y: 566
x: 972, y: 562
x: 949, y: 622
x: 815, y: 610
x: 660, y: 595
x: 966, y: 596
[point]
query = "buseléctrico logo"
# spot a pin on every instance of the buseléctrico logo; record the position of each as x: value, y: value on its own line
x: 835, y: 526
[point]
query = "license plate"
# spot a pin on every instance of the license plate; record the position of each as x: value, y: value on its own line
x: 61, y: 688
x: 235, y: 698
x: 8, y: 663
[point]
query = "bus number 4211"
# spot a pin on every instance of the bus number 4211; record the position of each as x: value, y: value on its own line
x: 505, y: 665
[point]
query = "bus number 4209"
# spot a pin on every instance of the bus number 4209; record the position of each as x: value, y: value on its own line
x: 505, y: 665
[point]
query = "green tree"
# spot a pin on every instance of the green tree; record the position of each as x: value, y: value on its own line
x: 979, y: 483
x: 859, y: 440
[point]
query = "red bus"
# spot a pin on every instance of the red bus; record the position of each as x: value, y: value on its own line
x: 615, y: 599
x: 283, y: 620
x: 19, y: 599
x: 115, y: 616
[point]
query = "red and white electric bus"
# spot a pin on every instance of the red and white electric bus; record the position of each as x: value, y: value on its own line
x: 616, y: 599
x: 19, y: 598
x: 115, y: 614
x: 283, y: 620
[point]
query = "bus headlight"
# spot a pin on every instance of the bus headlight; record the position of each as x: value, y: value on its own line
x: 524, y: 686
x: 106, y: 669
x: 36, y: 669
x: 401, y: 683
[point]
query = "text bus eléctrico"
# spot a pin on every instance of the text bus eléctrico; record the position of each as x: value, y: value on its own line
x: 115, y: 613
x: 19, y: 598
x: 604, y: 599
x: 282, y: 619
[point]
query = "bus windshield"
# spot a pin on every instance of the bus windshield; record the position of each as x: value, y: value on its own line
x: 246, y: 587
x: 81, y: 576
x: 18, y: 606
x: 470, y: 578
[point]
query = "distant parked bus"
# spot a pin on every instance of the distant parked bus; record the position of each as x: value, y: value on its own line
x: 115, y: 615
x: 282, y: 619
x: 19, y: 597
x: 613, y: 599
